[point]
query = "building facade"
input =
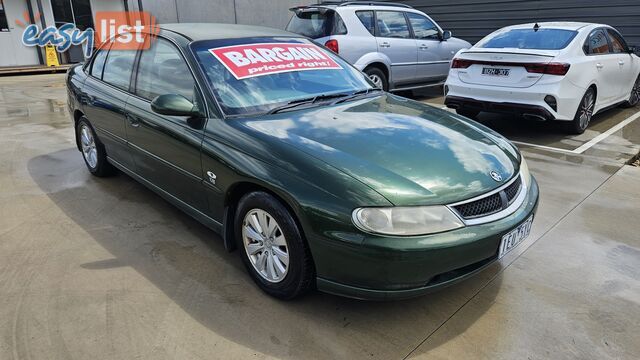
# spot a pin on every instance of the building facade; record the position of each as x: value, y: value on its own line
x: 468, y: 19
x: 15, y: 13
x: 473, y: 19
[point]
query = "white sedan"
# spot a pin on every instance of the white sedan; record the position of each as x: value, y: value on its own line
x: 548, y: 71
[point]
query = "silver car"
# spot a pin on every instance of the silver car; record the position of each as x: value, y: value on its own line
x: 397, y: 46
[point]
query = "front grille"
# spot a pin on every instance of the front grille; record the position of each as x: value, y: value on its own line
x: 491, y: 204
x: 512, y: 190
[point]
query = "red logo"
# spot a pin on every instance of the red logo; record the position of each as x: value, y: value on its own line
x: 126, y: 29
x: 251, y: 60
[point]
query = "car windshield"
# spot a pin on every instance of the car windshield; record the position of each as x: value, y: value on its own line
x: 543, y: 39
x: 251, y: 76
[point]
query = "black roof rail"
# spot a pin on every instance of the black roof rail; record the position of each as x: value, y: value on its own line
x: 370, y: 3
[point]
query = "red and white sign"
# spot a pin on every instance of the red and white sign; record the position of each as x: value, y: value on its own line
x: 251, y: 60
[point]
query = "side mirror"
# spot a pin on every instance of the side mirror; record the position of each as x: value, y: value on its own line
x: 174, y: 105
x: 446, y: 35
x: 634, y: 50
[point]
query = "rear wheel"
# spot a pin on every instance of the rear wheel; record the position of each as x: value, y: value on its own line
x: 272, y: 247
x: 378, y: 77
x: 92, y: 150
x: 584, y: 113
x: 470, y: 113
x: 634, y: 97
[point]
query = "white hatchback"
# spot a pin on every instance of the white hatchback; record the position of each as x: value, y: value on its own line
x: 548, y: 71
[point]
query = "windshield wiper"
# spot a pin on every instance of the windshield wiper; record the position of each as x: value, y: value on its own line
x: 305, y: 101
x: 358, y: 94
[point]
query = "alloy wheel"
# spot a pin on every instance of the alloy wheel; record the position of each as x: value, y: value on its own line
x: 266, y: 245
x: 88, y: 144
x: 586, y: 109
x: 377, y: 81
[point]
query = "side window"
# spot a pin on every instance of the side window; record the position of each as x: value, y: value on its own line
x: 98, y: 62
x: 618, y: 45
x: 423, y: 28
x: 162, y: 70
x: 118, y: 68
x: 597, y: 43
x: 392, y: 24
x: 338, y: 27
x: 366, y: 18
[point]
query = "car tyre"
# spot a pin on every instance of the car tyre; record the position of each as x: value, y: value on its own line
x: 584, y: 113
x: 277, y: 258
x: 470, y: 113
x: 378, y: 77
x: 92, y: 150
x: 634, y: 97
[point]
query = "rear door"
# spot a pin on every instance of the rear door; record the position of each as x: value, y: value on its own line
x: 105, y: 97
x: 606, y: 65
x: 395, y: 41
x: 625, y: 77
x: 434, y: 54
x: 166, y: 149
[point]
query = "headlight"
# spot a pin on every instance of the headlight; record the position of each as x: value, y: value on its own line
x: 406, y: 221
x: 524, y: 171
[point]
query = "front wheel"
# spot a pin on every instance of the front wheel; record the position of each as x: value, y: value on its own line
x: 634, y: 97
x: 584, y: 113
x: 272, y: 247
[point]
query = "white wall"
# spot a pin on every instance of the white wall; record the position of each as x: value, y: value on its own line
x: 273, y: 13
x: 13, y: 52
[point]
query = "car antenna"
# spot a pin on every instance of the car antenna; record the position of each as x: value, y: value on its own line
x: 536, y: 27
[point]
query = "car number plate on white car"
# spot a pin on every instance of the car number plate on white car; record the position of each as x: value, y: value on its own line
x: 515, y: 237
x: 495, y: 71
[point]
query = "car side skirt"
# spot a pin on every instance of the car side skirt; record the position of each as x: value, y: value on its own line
x: 196, y: 214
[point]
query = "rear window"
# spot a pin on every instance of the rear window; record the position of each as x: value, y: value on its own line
x: 543, y: 39
x: 317, y: 24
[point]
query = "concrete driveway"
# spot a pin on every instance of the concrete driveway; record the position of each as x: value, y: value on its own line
x: 105, y: 269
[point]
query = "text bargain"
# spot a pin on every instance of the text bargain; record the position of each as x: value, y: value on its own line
x: 251, y: 60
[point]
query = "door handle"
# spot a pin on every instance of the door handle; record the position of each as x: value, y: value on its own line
x: 133, y: 121
x: 620, y: 62
x: 424, y: 47
x: 599, y: 65
x: 385, y: 44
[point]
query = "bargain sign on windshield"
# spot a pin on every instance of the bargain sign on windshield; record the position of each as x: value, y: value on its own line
x: 251, y: 60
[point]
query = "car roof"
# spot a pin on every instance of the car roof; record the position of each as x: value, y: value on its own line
x: 564, y: 25
x: 211, y: 31
x: 334, y: 5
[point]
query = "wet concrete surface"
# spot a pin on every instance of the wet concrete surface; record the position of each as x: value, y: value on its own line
x: 105, y: 269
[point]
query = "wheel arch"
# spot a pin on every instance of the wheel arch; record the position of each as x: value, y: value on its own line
x: 77, y: 115
x: 233, y: 195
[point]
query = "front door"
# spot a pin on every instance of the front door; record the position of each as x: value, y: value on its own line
x: 166, y: 149
x: 434, y: 54
x: 394, y: 41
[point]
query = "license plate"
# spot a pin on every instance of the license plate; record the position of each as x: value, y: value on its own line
x: 515, y: 237
x: 495, y: 71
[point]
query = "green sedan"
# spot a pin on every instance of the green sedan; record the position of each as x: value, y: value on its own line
x: 317, y: 178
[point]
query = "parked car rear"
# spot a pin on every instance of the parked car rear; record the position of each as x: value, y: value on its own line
x: 397, y: 46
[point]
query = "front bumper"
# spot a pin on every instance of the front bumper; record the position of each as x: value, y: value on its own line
x: 385, y: 268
